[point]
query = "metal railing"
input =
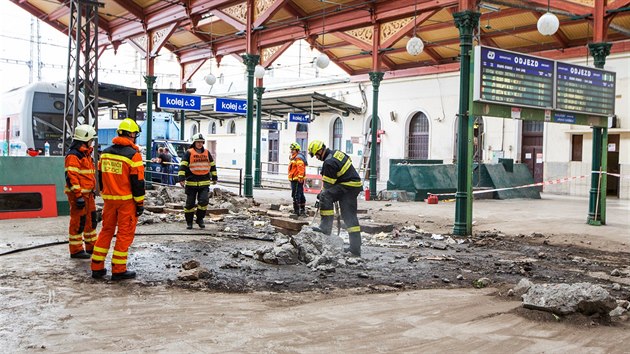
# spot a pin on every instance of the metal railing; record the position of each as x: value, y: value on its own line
x: 171, y: 179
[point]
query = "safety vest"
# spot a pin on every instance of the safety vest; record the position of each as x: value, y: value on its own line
x: 199, y: 162
x: 80, y: 171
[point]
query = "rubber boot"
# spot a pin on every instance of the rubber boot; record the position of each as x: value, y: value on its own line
x: 189, y: 220
x: 302, y: 210
x: 81, y: 255
x: 129, y: 274
x: 296, y: 209
x: 325, y: 226
x: 355, y: 244
x: 200, y: 216
x: 99, y: 274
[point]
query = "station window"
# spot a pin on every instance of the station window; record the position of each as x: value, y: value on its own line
x: 20, y: 201
x: 337, y: 134
x: 212, y: 128
x: 232, y: 128
x: 418, y: 142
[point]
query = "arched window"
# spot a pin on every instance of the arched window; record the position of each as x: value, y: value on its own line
x: 212, y: 128
x: 418, y: 143
x: 301, y: 135
x: 193, y: 130
x: 337, y: 134
x: 232, y: 128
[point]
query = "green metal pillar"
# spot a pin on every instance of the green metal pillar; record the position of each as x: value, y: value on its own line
x: 465, y: 21
x: 597, y: 193
x: 250, y: 61
x: 150, y: 81
x: 257, y: 171
x: 375, y: 77
x: 182, y: 125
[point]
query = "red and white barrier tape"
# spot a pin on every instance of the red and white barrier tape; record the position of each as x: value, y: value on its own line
x: 544, y: 183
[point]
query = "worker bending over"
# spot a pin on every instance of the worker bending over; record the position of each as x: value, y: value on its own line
x: 341, y: 184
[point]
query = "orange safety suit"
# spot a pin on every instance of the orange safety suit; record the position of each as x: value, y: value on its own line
x: 297, y: 171
x: 297, y: 168
x: 121, y: 179
x: 80, y: 183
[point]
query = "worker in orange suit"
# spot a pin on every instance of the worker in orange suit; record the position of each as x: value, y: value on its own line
x: 297, y: 173
x: 80, y: 184
x: 121, y: 179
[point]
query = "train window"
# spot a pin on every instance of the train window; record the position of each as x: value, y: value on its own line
x: 20, y: 202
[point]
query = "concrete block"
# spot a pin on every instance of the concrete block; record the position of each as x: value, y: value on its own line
x: 179, y: 206
x: 375, y: 227
x: 154, y: 208
x: 289, y: 224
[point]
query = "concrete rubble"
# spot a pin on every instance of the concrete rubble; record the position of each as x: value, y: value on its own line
x: 564, y: 299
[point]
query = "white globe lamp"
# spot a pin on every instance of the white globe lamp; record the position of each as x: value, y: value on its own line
x: 415, y: 46
x: 210, y: 79
x: 548, y: 24
x: 259, y: 72
x: 322, y: 61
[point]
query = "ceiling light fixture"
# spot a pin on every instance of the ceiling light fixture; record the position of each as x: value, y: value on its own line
x: 323, y: 60
x: 548, y: 23
x: 415, y: 45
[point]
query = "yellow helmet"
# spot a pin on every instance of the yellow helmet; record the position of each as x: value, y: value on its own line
x: 295, y: 146
x: 128, y: 125
x: 84, y: 132
x: 315, y: 146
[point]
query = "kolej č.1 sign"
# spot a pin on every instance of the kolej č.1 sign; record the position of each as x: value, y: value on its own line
x: 519, y: 80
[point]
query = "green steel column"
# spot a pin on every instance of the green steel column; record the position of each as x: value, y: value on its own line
x: 375, y: 77
x: 250, y: 61
x: 597, y: 201
x: 257, y: 172
x: 465, y: 21
x: 182, y: 125
x: 149, y: 80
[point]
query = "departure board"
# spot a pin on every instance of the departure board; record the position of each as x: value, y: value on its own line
x: 512, y: 78
x: 585, y: 90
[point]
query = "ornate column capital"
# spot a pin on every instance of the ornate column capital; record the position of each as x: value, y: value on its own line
x: 376, y: 77
x: 599, y: 51
x: 250, y: 60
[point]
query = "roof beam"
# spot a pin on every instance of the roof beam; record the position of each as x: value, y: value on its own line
x: 132, y: 8
x: 411, y: 26
x: 229, y: 20
x: 272, y: 10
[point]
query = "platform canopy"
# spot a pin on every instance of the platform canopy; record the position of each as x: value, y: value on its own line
x: 360, y: 36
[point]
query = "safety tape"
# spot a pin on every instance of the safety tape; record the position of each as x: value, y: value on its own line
x: 544, y: 183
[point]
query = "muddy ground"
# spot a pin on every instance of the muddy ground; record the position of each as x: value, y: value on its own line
x: 51, y: 303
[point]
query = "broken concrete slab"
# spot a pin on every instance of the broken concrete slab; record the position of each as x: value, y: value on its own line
x: 194, y: 274
x: 288, y: 223
x: 375, y: 227
x: 284, y: 254
x: 564, y: 299
x: 178, y: 206
x: 154, y: 208
x: 217, y: 211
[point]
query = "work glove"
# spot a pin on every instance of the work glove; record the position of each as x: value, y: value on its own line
x: 318, y: 196
x: 214, y: 182
x: 317, y: 204
x: 80, y: 203
x: 139, y: 210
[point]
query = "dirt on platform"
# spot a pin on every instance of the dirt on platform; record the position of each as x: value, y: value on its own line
x: 43, y: 290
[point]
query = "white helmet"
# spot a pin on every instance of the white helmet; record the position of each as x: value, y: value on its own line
x: 198, y: 137
x: 84, y: 132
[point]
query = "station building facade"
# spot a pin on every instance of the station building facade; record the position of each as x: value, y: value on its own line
x: 418, y: 120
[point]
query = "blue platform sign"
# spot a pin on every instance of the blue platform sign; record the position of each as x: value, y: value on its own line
x: 269, y: 125
x: 227, y: 105
x: 561, y: 117
x: 299, y: 117
x: 178, y: 101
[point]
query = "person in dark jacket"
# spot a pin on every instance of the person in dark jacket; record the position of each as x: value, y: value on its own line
x: 197, y: 171
x: 165, y: 162
x: 341, y: 184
